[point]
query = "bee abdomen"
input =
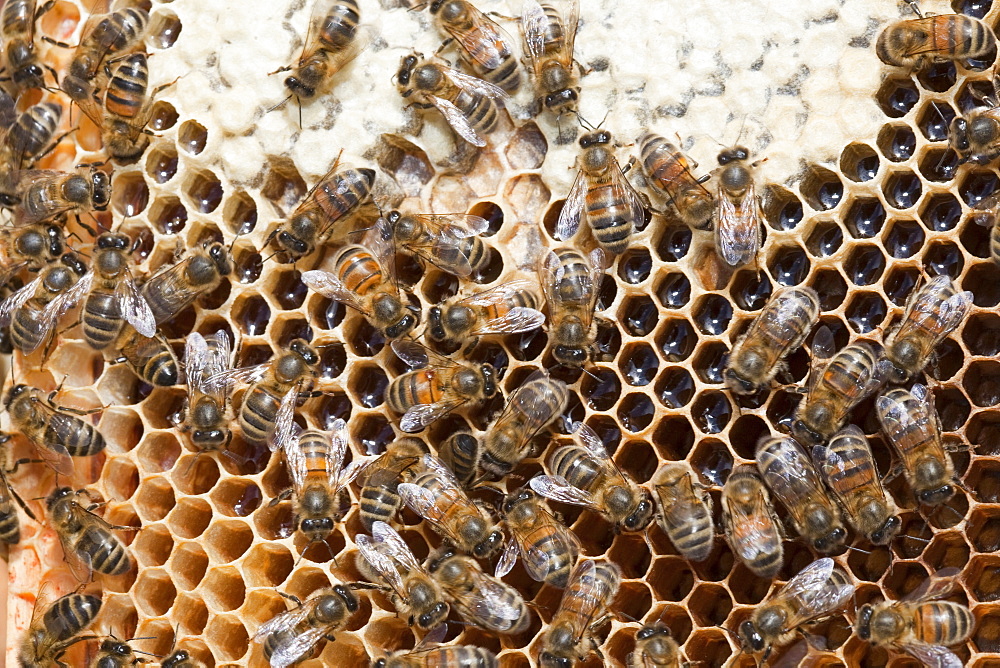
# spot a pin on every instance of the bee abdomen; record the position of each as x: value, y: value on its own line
x: 506, y: 76
x: 257, y: 416
x: 106, y: 554
x: 340, y: 24
x: 10, y: 526
x: 101, y: 320
x: 358, y: 270
x: 378, y: 504
x: 346, y: 191
x: 126, y: 92
x: 480, y: 110
x: 69, y: 614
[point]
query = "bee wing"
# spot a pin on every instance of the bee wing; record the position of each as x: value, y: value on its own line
x: 926, y: 310
x: 737, y: 227
x: 537, y: 562
x: 930, y: 656
x: 71, y: 297
x: 17, y: 300
x: 418, y: 417
x: 371, y: 549
x: 823, y: 347
x: 296, y: 462
x: 938, y: 585
x: 242, y: 375
x: 330, y: 286
x: 79, y: 562
x: 573, y: 208
x: 443, y: 235
x: 8, y: 110
x: 815, y: 595
x: 412, y: 353
x: 755, y: 527
x: 533, y: 28
x: 195, y: 361
x: 298, y: 643
x: 56, y: 456
x: 392, y: 544
x: 285, y: 430
x: 517, y: 319
x: 218, y: 359
x: 486, y: 43
x: 558, y: 488
x: 454, y: 226
x: 134, y: 307
x: 955, y: 309
x: 458, y: 122
x: 508, y: 558
x: 591, y: 597
x: 364, y: 35
x: 624, y: 191
x: 488, y: 599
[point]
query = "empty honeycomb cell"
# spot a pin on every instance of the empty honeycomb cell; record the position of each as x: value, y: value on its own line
x: 121, y: 478
x: 252, y: 314
x: 637, y: 459
x: 712, y: 314
x: 745, y: 587
x: 223, y: 589
x: 902, y: 189
x: 983, y: 477
x: 950, y: 514
x: 190, y: 517
x: 634, y: 599
x: 821, y: 188
x: 227, y: 540
x: 983, y: 530
x: 825, y: 239
x: 365, y: 340
x: 896, y: 97
x: 236, y: 497
x: 711, y: 412
x: 897, y: 142
x: 195, y: 474
x: 367, y: 385
x: 638, y: 364
x: 192, y: 136
x: 984, y: 277
x: 674, y: 243
x: 599, y: 535
x: 831, y: 288
x: 155, y: 593
x: 154, y: 499
x: 746, y: 431
x: 949, y: 550
x: 939, y: 164
x: 986, y: 636
x: 639, y: 315
x: 900, y: 282
x: 635, y: 265
x: 439, y: 286
x: 943, y: 258
x: 228, y: 637
x: 168, y: 214
x: 203, y: 190
x: 130, y: 195
x: 711, y: 644
x: 976, y: 185
x: 632, y: 555
x: 782, y: 208
x: 710, y: 361
x: 941, y: 212
x: 712, y: 462
x: 953, y: 409
x: 981, y: 334
x: 788, y: 265
x: 865, y: 264
x: 859, y: 162
x: 865, y: 311
x: 635, y: 412
x: 158, y: 452
x: 189, y: 564
x: 904, y: 239
x: 975, y: 238
x: 710, y: 604
x: 608, y: 341
x: 152, y: 545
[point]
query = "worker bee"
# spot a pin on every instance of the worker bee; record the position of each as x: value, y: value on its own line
x: 975, y: 135
x: 379, y: 499
x: 751, y: 526
x: 508, y: 308
x: 31, y: 247
x: 780, y: 328
x: 10, y: 524
x: 912, y: 42
x: 291, y: 635
x: 116, y: 653
x: 448, y: 241
x: 548, y: 41
x: 181, y: 658
x: 25, y: 137
x: 436, y: 496
x: 918, y: 623
x: 585, y: 606
x: 685, y: 510
x: 102, y: 37
x: 336, y: 196
x: 837, y: 383
x: 17, y: 29
x: 46, y: 194
x: 86, y: 538
x: 913, y: 430
x: 655, y: 646
x: 54, y: 626
x: 385, y: 557
x: 484, y: 45
x: 603, y: 196
x: 441, y: 656
x: 738, y: 217
x: 33, y: 311
x: 848, y: 467
x: 57, y: 431
x: 460, y: 452
x: 479, y: 598
x: 668, y: 172
x: 547, y: 547
x: 571, y: 282
x: 471, y: 106
x: 437, y: 387
x: 583, y: 474
x: 205, y: 418
x: 365, y: 282
x: 152, y: 359
x: 817, y: 591
x: 170, y: 291
x: 794, y: 480
x: 932, y: 313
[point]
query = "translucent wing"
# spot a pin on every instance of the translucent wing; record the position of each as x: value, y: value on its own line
x: 195, y: 360
x: 823, y: 347
x: 592, y: 598
x: 54, y: 454
x: 79, y: 561
x: 517, y: 319
x: 755, y: 527
x: 928, y: 311
x: 489, y: 599
x: 624, y: 192
x: 938, y: 585
x: 391, y: 543
x: 242, y: 375
x: 558, y: 488
x: 537, y: 561
x: 341, y: 477
x: 458, y: 122
x: 17, y: 300
x: 134, y: 308
x: 589, y: 439
x: 812, y: 594
x: 363, y: 37
x: 71, y: 297
x: 297, y: 644
x: 573, y: 208
x: 508, y: 558
x: 418, y: 417
x: 485, y: 42
x: 476, y: 85
x: 218, y: 359
x: 371, y: 549
x: 330, y: 286
x: 411, y: 353
x: 441, y: 242
x: 737, y: 227
x: 285, y: 430
x: 931, y: 656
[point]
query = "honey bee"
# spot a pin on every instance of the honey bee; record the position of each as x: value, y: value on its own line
x: 571, y: 282
x: 738, y: 217
x: 817, y: 591
x: 584, y: 608
x: 171, y: 290
x: 448, y: 241
x: 31, y: 247
x: 10, y: 524
x: 379, y: 499
x: 115, y: 653
x: 336, y: 196
x: 837, y: 383
x: 460, y: 452
x: 685, y: 510
x: 794, y: 480
x: 583, y: 474
x: 151, y: 359
x: 780, y: 328
x: 54, y: 626
x: 932, y: 313
x: 508, y: 308
x: 603, y: 196
x: 669, y: 173
x: 86, y: 538
x: 442, y: 656
x: 752, y: 528
x: 47, y: 194
x: 848, y: 467
x: 912, y: 42
x: 181, y: 658
x: 57, y: 431
x: 291, y: 636
x: 975, y: 135
x: 33, y: 311
x: 655, y: 646
x: 17, y: 29
x: 912, y: 428
x: 437, y: 387
x: 206, y: 420
x: 385, y: 557
x: 436, y: 496
x: 484, y: 45
x: 471, y: 106
x: 102, y: 37
x: 919, y: 624
x: 547, y: 547
x: 25, y: 137
x: 479, y: 598
x: 364, y: 281
x: 548, y: 41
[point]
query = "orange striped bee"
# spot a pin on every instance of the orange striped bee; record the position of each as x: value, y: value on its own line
x: 548, y: 41
x: 102, y: 37
x: 479, y: 598
x: 585, y: 606
x: 485, y: 46
x: 547, y: 547
x: 912, y: 42
x: 508, y: 308
x: 669, y: 173
x: 449, y: 241
x: 24, y: 138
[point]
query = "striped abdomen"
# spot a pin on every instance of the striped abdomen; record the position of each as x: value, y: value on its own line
x: 69, y: 615
x: 33, y: 130
x: 858, y: 475
x: 507, y: 76
x: 153, y: 360
x: 481, y: 111
x: 574, y: 286
x: 337, y: 29
x: 358, y: 270
x: 588, y: 594
x: 126, y: 94
x: 28, y: 328
x: 957, y: 36
x: 102, y: 319
x: 942, y: 623
x: 81, y: 439
x: 379, y: 502
x: 518, y: 298
x: 460, y: 453
x: 257, y: 414
x: 749, y: 524
x: 116, y: 32
x: 10, y: 526
x: 315, y: 446
x: 414, y: 387
x: 609, y: 216
x: 454, y: 656
x: 344, y: 192
x: 106, y: 553
x: 578, y: 467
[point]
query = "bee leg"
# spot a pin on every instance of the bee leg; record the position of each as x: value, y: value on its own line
x: 63, y: 45
x: 281, y: 497
x: 892, y: 474
x: 291, y: 597
x: 44, y: 9
x: 286, y: 68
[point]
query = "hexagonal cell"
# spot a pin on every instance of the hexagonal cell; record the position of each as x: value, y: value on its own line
x: 859, y: 162
x: 631, y: 554
x: 602, y: 389
x: 710, y: 361
x: 953, y: 408
x: 676, y: 339
x: 189, y: 518
x: 527, y: 196
x: 977, y: 185
x: 636, y: 412
x: 121, y: 478
x: 949, y: 550
x: 673, y: 437
x: 635, y: 265
x: 981, y: 334
x: 130, y: 195
x: 638, y: 460
x: 865, y: 264
x: 940, y: 212
x: 782, y: 208
x: 204, y: 190
x: 252, y: 314
x: 638, y: 364
x: 871, y: 566
x: 899, y: 283
x: 939, y: 165
x: 896, y: 97
x: 675, y: 387
x: 710, y: 605
x: 904, y: 238
x: 671, y: 578
x: 751, y: 290
x: 168, y: 215
x: 224, y: 589
x: 158, y: 452
x: 934, y: 119
x: 527, y: 148
x: 943, y: 259
x: 949, y: 360
x: 154, y: 500
x: 902, y: 189
x: 248, y: 265
x: 831, y: 288
x: 152, y: 545
x: 865, y: 311
x: 712, y: 314
x: 982, y: 477
x: 709, y: 643
x: 373, y: 433
x: 788, y: 265
x: 674, y: 243
x: 189, y: 564
x: 746, y: 431
x: 711, y: 412
x: 268, y: 565
x: 825, y: 239
x: 154, y: 592
x: 983, y: 529
x: 161, y: 163
x: 236, y: 497
x: 821, y: 188
x: 986, y: 637
x: 164, y: 29
x: 228, y: 637
x: 227, y: 540
x: 638, y: 314
x: 712, y: 461
x: 985, y: 279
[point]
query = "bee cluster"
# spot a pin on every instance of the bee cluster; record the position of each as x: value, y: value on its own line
x: 549, y: 428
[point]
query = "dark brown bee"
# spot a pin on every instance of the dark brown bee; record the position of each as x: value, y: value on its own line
x: 913, y: 42
x: 86, y: 538
x: 150, y: 358
x: 441, y: 656
x: 655, y: 646
x: 548, y: 40
x: 170, y: 291
x: 29, y: 248
x: 379, y: 499
x: 103, y: 37
x: 449, y: 241
x: 485, y: 46
x: 181, y: 658
x: 25, y: 138
x: 669, y: 173
x: 571, y: 282
x: 46, y: 195
x: 291, y: 636
x: 115, y: 653
x: 206, y: 418
x: 548, y: 548
x: 17, y: 28
x: 585, y: 606
x: 975, y: 135
x: 480, y: 599
x: 460, y: 452
x: 509, y: 308
x: 53, y: 627
x: 33, y: 311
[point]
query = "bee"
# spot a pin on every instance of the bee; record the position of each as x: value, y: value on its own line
x: 794, y: 480
x: 508, y: 308
x: 471, y: 106
x: 17, y: 29
x: 685, y: 510
x: 102, y: 37
x: 780, y: 328
x: 206, y: 420
x: 437, y: 387
x: 655, y: 646
x: 57, y: 431
x: 336, y: 196
x: 751, y: 526
x: 181, y: 658
x: 603, y: 196
x: 115, y: 653
x: 975, y: 135
x: 460, y: 452
x: 291, y: 635
x: 571, y: 282
x: 583, y: 474
x: 86, y: 538
x: 47, y: 194
x: 10, y: 524
x: 848, y: 467
x: 932, y: 313
x: 548, y: 41
x: 385, y: 557
x: 436, y: 496
x: 484, y: 45
x: 669, y: 173
x: 364, y: 281
x: 334, y: 40
x: 25, y: 138
x: 31, y: 247
x: 151, y: 359
x: 33, y: 311
x: 585, y: 606
x: 837, y: 383
x: 479, y: 598
x: 738, y: 217
x: 54, y: 626
x: 918, y: 623
x: 448, y: 241
x: 171, y: 290
x: 913, y: 430
x: 912, y: 42
x: 379, y: 499
x: 547, y: 547
x: 442, y: 656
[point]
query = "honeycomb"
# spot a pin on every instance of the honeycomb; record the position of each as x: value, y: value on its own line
x: 861, y: 212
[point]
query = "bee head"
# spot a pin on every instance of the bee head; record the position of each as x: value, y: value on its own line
x: 100, y: 184
x: 751, y: 637
x: 736, y: 153
x: 406, y: 70
x: 884, y: 534
x: 863, y: 626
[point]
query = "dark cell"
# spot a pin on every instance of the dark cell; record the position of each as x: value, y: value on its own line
x: 905, y: 238
x: 789, y: 266
x: 635, y: 265
x: 897, y: 96
x: 944, y: 259
x: 977, y: 186
x: 677, y: 340
x: 712, y: 412
x: 674, y: 244
x: 636, y: 412
x: 639, y: 315
x: 865, y: 218
x: 942, y: 213
x: 751, y: 290
x: 825, y: 239
x: 902, y: 189
x: 674, y: 291
x: 865, y: 265
x: 675, y: 387
x: 713, y: 314
x: 639, y: 364
x: 601, y: 389
x: 865, y: 312
x: 897, y: 142
x: 938, y: 77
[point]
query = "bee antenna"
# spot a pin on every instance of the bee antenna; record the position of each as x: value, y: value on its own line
x: 858, y: 549
x: 282, y: 103
x: 916, y: 8
x: 734, y: 634
x: 916, y: 538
